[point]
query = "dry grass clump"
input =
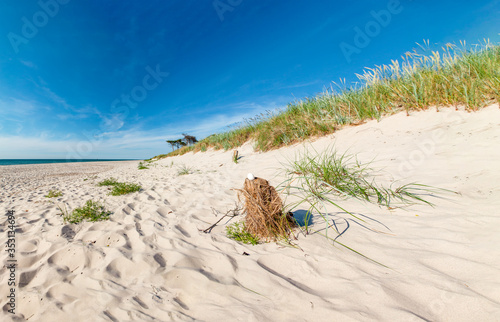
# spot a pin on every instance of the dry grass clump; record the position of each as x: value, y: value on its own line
x: 264, y: 210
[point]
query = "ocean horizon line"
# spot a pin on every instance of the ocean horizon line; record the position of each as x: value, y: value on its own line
x: 47, y: 161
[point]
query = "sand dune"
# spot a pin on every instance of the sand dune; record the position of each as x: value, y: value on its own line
x: 151, y: 260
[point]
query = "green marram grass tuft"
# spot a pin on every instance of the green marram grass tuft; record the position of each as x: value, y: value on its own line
x: 238, y: 232
x: 54, y: 194
x: 108, y: 182
x: 119, y: 188
x: 143, y: 166
x: 92, y: 211
x: 322, y: 180
x: 184, y: 170
x: 454, y: 76
x: 123, y: 188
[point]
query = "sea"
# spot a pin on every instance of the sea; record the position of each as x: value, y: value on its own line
x: 42, y: 161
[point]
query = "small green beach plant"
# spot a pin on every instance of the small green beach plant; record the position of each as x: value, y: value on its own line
x: 238, y: 232
x: 184, y: 170
x: 236, y: 156
x: 92, y: 211
x: 142, y: 166
x: 123, y: 188
x: 108, y: 182
x: 119, y: 188
x: 54, y: 194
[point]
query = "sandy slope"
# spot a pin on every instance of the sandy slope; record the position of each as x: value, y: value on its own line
x: 152, y: 262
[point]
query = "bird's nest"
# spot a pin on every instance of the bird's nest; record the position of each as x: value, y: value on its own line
x: 264, y: 210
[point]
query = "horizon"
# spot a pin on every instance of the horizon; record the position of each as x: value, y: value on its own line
x: 115, y: 80
x: 64, y: 159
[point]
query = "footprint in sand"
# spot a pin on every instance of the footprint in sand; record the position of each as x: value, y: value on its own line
x: 164, y: 211
x: 158, y: 257
x: 159, y: 226
x: 26, y: 277
x: 71, y: 257
x: 183, y: 231
x: 138, y: 228
x: 140, y: 302
x: 68, y: 233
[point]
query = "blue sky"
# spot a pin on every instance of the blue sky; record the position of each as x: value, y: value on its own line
x: 115, y: 79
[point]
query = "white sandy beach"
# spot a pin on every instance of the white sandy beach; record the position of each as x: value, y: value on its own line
x: 152, y: 262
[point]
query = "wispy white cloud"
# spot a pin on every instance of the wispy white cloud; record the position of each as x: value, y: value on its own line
x: 80, y: 113
x: 56, y: 98
x: 65, y: 117
x: 28, y: 64
x: 74, y: 112
x: 22, y: 147
x: 19, y: 128
x: 38, y: 147
x: 19, y: 115
x: 135, y: 142
x: 299, y: 85
x: 18, y: 107
x: 241, y: 111
x: 16, y: 112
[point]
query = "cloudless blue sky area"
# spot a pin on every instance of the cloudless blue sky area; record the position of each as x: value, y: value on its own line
x: 115, y: 79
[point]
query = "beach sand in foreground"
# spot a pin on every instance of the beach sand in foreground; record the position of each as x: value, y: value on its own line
x: 151, y: 261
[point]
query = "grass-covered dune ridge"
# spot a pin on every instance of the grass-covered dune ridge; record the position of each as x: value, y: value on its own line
x: 450, y: 77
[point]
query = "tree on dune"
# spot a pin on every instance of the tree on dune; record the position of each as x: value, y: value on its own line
x: 180, y: 143
x: 172, y: 143
x: 189, y: 139
x: 175, y: 144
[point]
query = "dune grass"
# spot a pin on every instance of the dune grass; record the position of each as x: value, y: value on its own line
x: 326, y: 179
x: 92, y: 211
x: 142, y: 165
x: 123, y: 188
x: 238, y: 232
x: 119, y: 188
x: 343, y: 175
x: 108, y: 182
x: 54, y: 194
x: 184, y: 170
x: 454, y: 76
